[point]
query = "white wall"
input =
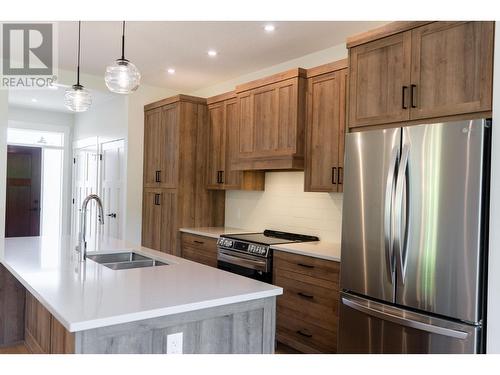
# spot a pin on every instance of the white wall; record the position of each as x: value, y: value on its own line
x: 4, y: 111
x: 284, y: 205
x: 493, y: 330
x: 107, y: 119
x: 37, y: 116
x: 29, y: 118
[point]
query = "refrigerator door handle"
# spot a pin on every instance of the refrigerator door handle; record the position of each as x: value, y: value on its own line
x: 405, y: 321
x: 399, y: 233
x: 388, y: 214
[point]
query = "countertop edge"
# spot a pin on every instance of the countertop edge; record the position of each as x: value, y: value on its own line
x: 307, y: 253
x: 157, y: 313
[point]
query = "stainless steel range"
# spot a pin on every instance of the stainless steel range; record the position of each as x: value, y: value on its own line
x: 251, y: 255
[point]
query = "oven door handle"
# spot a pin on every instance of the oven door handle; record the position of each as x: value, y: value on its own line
x: 254, y: 264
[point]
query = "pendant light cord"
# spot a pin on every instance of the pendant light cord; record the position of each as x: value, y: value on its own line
x: 78, y: 66
x: 123, y: 41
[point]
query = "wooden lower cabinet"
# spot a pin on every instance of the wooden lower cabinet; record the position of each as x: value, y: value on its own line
x: 43, y: 333
x: 199, y: 249
x: 307, y: 312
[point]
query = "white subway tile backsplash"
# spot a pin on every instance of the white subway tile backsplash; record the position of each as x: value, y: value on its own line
x: 285, y: 206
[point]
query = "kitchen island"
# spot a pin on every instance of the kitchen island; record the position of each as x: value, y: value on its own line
x: 138, y: 310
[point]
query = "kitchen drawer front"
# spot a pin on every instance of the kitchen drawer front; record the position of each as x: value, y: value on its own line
x: 302, y: 335
x: 199, y: 249
x: 315, y: 304
x: 326, y: 271
x: 199, y: 242
x: 198, y: 256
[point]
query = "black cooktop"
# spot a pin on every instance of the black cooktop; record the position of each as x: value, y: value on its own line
x: 272, y: 237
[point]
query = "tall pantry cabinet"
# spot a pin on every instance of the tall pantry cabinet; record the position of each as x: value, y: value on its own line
x: 174, y: 193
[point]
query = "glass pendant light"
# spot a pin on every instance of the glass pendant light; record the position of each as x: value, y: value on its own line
x: 122, y: 76
x: 77, y: 98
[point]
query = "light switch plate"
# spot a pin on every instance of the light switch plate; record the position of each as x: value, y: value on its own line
x: 174, y: 343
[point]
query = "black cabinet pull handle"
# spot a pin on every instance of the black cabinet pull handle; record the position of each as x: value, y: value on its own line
x: 113, y: 215
x: 157, y: 176
x: 413, y: 96
x: 305, y: 265
x: 157, y: 200
x: 221, y: 177
x: 200, y: 242
x: 304, y: 295
x: 304, y: 334
x: 334, y: 175
x: 341, y: 175
x: 403, y: 97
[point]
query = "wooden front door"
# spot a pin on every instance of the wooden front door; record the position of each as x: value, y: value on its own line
x: 22, y: 216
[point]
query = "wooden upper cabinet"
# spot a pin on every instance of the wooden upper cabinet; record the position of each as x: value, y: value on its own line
x: 215, y: 157
x: 152, y: 123
x: 325, y: 129
x: 271, y: 114
x: 452, y: 68
x: 380, y: 80
x: 161, y: 135
x: 428, y: 70
x: 223, y: 137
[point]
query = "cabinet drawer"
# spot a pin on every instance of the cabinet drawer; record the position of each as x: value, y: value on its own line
x: 326, y: 272
x: 199, y: 249
x: 315, y: 304
x: 199, y: 242
x: 195, y: 255
x: 302, y: 335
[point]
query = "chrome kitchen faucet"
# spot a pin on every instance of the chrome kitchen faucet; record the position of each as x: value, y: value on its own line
x: 82, y: 243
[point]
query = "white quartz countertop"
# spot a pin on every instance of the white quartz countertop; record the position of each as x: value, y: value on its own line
x: 89, y: 295
x: 316, y: 249
x: 215, y: 232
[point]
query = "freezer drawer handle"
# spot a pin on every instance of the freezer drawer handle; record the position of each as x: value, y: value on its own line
x: 308, y: 335
x: 405, y: 322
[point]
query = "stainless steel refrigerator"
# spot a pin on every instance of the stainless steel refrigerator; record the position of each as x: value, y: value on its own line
x: 414, y: 239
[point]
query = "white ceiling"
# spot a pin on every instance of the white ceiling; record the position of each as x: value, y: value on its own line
x: 154, y: 46
x: 49, y: 99
x: 243, y: 47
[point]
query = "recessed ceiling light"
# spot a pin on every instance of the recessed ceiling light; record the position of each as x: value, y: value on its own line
x: 170, y: 70
x: 34, y: 100
x: 212, y: 53
x: 269, y: 28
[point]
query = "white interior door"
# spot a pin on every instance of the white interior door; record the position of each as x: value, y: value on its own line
x: 85, y: 182
x: 113, y: 187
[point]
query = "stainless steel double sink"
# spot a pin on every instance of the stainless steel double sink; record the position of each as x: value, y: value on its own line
x: 125, y: 260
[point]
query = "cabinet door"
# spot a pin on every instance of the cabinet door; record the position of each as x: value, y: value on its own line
x: 231, y: 178
x: 169, y: 146
x: 245, y: 125
x: 37, y: 326
x: 151, y: 219
x: 275, y: 118
x: 379, y: 81
x: 152, y: 126
x: 452, y: 68
x: 342, y: 125
x: 323, y: 132
x: 169, y: 225
x: 215, y: 157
